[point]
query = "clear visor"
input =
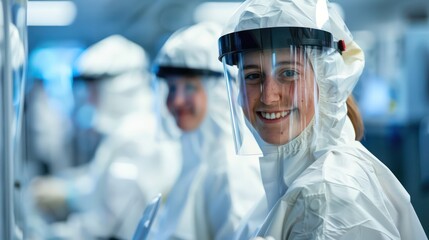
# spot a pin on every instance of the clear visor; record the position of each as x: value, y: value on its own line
x: 275, y: 95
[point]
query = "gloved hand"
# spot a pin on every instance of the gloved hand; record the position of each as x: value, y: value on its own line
x: 50, y: 197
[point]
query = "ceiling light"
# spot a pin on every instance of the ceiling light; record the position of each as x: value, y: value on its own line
x: 50, y: 13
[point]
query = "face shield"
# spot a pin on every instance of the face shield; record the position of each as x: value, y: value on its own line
x: 290, y: 68
x: 275, y: 92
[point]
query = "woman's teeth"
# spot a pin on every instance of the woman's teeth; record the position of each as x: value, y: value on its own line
x: 276, y: 115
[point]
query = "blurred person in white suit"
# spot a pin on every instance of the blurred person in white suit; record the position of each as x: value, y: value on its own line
x: 130, y: 166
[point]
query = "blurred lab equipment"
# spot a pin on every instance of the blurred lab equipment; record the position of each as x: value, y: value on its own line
x: 394, y: 88
x: 13, y: 42
x: 424, y: 152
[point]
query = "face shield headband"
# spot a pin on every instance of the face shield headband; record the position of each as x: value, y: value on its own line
x: 165, y: 71
x: 274, y: 38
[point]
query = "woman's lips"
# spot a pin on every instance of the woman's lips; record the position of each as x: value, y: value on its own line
x: 273, y: 116
x: 183, y: 112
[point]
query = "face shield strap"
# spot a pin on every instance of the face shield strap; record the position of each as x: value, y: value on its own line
x: 164, y: 71
x: 273, y: 38
x: 90, y: 78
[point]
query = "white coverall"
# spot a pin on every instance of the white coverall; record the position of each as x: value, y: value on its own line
x: 347, y: 193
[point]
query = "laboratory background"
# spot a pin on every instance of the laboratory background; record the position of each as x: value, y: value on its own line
x: 83, y: 137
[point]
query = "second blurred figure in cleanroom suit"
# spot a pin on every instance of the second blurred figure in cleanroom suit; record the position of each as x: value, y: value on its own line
x: 215, y: 189
x: 129, y: 168
x: 297, y: 66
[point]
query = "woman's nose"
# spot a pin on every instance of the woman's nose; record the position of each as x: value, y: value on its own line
x: 270, y: 91
x: 178, y: 98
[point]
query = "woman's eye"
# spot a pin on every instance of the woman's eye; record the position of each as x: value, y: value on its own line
x: 171, y: 88
x: 190, y: 88
x: 289, y: 75
x: 252, y: 78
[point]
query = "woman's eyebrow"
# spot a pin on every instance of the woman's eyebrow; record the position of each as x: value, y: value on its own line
x: 294, y: 63
x: 254, y: 66
x: 251, y: 66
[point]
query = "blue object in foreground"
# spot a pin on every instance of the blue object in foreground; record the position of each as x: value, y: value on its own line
x: 147, y: 219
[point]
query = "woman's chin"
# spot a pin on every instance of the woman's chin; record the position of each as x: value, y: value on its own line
x: 276, y: 140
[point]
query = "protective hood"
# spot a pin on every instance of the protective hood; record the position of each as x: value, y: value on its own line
x: 336, y: 73
x: 112, y: 56
x: 191, y: 49
x: 118, y: 68
x: 316, y: 14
